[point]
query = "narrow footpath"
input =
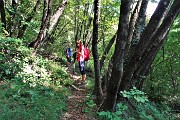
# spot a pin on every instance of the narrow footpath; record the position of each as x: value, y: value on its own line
x: 76, y: 102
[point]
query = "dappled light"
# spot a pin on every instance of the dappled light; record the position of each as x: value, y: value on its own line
x: 89, y: 60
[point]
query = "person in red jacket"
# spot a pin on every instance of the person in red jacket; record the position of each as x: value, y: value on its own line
x: 80, y: 58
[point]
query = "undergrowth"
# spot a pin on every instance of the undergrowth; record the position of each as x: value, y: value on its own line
x: 136, y: 106
x: 31, y: 87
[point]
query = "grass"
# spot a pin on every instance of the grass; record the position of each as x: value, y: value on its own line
x: 21, y: 102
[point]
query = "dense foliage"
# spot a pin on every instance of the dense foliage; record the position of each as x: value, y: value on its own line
x: 31, y: 87
x: 163, y: 82
x: 35, y: 86
x: 140, y: 108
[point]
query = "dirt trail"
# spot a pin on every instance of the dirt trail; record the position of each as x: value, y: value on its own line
x: 76, y: 103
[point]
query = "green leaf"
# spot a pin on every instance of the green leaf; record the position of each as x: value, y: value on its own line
x: 118, y: 113
x: 103, y: 113
x: 7, y: 72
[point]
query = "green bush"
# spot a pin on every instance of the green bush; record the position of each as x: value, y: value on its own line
x: 11, y: 55
x: 137, y: 107
x: 22, y: 103
x: 29, y: 90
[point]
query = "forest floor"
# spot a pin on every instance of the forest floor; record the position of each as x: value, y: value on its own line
x: 76, y: 102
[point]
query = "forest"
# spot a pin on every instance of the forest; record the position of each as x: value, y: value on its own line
x: 133, y: 72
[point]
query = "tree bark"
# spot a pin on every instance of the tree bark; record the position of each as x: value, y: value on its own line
x: 87, y: 33
x: 86, y: 22
x: 132, y: 23
x: 143, y: 69
x: 107, y: 49
x: 97, y: 88
x: 12, y: 16
x: 77, y: 24
x: 157, y: 41
x: 139, y: 27
x: 55, y: 18
x: 147, y: 34
x: 107, y: 75
x: 43, y: 30
x: 3, y: 14
x: 48, y: 24
x: 117, y: 70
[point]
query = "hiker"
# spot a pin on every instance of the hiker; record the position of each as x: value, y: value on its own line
x: 68, y: 55
x: 80, y: 58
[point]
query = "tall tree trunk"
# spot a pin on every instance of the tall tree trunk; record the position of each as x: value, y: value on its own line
x: 117, y: 70
x: 143, y: 70
x: 86, y: 22
x: 88, y: 30
x: 140, y: 24
x: 107, y: 75
x: 107, y: 49
x: 12, y: 16
x: 132, y: 25
x: 97, y: 88
x: 83, y: 24
x: 32, y: 13
x: 139, y: 27
x: 2, y: 12
x: 43, y: 30
x: 81, y: 27
x: 147, y: 34
x: 158, y: 38
x: 55, y: 18
x: 48, y: 24
x: 77, y: 24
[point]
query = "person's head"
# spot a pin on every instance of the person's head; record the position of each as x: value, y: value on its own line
x: 69, y: 45
x: 78, y: 43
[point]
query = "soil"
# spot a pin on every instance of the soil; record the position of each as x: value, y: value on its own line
x: 76, y: 102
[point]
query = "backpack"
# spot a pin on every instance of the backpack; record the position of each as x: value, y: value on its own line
x: 86, y: 54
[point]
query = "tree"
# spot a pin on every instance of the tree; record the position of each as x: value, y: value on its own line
x: 23, y: 28
x: 48, y: 23
x: 117, y: 70
x: 156, y: 42
x: 98, y: 89
x: 127, y: 72
x: 147, y: 34
x: 12, y: 24
x: 3, y: 14
x: 44, y: 25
